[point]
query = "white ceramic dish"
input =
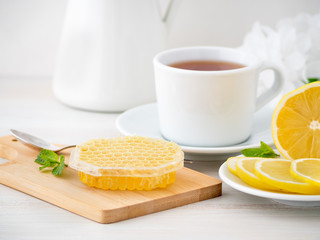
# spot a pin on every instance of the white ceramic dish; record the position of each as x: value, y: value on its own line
x: 290, y: 199
x: 143, y: 120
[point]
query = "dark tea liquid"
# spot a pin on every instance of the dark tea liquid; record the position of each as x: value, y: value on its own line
x: 205, y: 65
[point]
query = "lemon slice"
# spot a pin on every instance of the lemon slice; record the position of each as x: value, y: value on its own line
x: 307, y: 169
x: 245, y: 171
x: 296, y: 123
x: 231, y: 163
x: 127, y: 163
x: 276, y: 172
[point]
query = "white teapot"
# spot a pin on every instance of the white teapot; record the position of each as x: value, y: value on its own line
x: 105, y: 56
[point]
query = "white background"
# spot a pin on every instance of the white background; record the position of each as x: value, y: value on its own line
x: 29, y: 38
x: 30, y: 29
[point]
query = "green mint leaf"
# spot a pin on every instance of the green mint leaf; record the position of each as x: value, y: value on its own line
x: 59, y: 168
x: 269, y: 155
x: 49, y: 155
x: 265, y: 147
x: 252, y: 152
x: 311, y: 80
x: 49, y: 159
x: 265, y: 151
x: 47, y: 164
x: 40, y: 160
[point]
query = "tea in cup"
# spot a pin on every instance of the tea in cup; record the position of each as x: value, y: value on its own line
x: 207, y: 96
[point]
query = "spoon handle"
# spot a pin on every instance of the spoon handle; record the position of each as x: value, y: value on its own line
x: 64, y: 147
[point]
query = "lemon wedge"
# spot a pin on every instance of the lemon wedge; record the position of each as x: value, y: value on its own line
x: 307, y: 169
x: 231, y: 163
x: 296, y: 123
x: 276, y: 172
x: 245, y: 170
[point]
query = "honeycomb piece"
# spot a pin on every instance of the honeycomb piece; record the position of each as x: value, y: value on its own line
x: 127, y: 163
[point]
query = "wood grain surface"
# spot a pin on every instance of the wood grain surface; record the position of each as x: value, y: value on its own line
x: 68, y: 192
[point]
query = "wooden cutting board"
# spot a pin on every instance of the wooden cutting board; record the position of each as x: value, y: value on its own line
x: 68, y: 192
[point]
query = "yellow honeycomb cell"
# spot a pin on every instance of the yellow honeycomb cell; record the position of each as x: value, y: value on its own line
x: 127, y: 163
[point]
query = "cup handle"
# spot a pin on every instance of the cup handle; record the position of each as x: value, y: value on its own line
x: 276, y: 87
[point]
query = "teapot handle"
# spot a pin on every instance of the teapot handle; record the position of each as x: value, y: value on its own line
x: 164, y: 7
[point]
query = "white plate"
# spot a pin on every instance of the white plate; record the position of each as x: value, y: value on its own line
x: 143, y: 120
x: 290, y: 199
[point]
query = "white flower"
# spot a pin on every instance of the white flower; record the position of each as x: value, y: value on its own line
x: 293, y: 46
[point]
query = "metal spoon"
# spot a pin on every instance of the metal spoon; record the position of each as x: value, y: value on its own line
x: 35, y: 142
x: 38, y: 143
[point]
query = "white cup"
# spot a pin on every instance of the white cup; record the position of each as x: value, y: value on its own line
x: 209, y: 108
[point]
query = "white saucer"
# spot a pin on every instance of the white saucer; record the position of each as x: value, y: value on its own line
x: 143, y: 121
x: 290, y: 199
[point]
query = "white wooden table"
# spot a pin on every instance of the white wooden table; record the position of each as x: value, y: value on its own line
x: 29, y: 105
